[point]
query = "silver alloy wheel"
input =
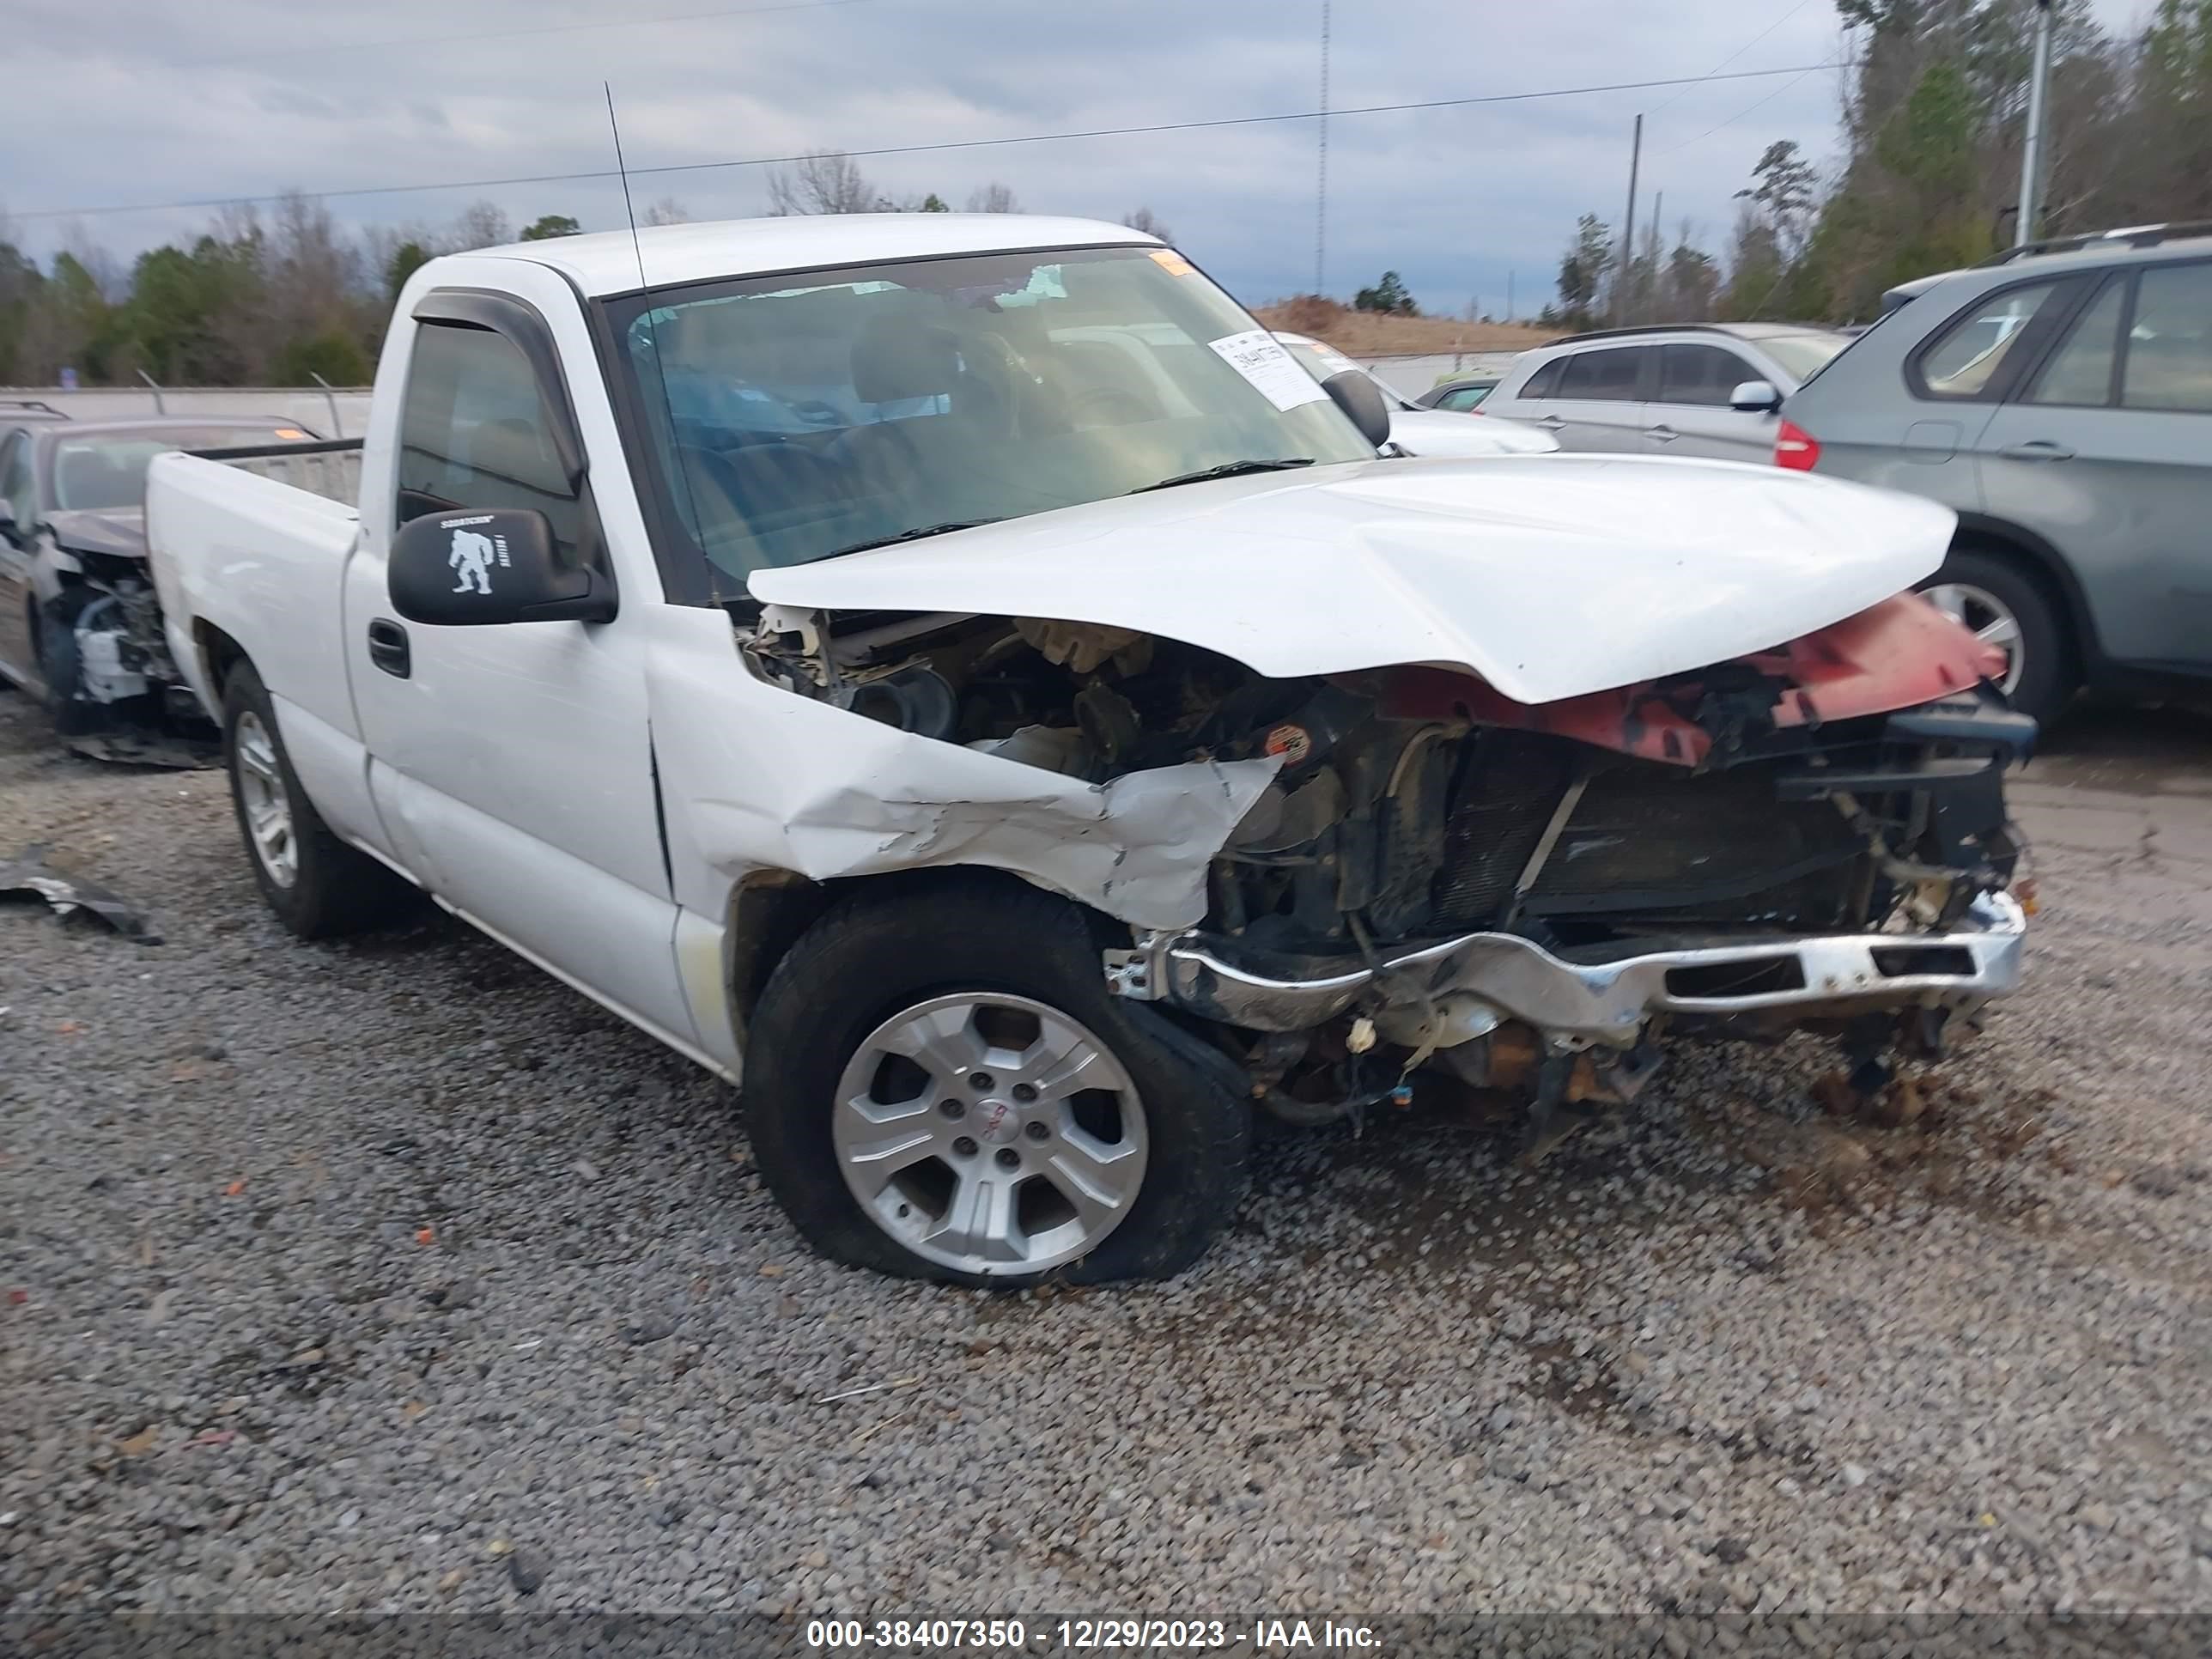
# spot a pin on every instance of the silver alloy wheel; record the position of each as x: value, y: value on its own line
x: 990, y: 1133
x: 261, y: 794
x: 1990, y: 619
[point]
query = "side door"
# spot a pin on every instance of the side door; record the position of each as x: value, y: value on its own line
x: 511, y: 765
x: 1690, y: 414
x: 1528, y: 395
x: 2106, y: 451
x: 1599, y: 401
x: 18, y: 649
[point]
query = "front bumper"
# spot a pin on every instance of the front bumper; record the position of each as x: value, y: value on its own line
x: 1464, y: 987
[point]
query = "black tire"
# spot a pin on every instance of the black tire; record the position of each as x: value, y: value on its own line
x: 879, y: 953
x: 334, y: 889
x: 2050, y: 672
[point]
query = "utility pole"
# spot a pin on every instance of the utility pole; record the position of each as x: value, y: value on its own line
x: 1509, y: 296
x: 1627, y: 256
x: 1658, y: 247
x: 1321, y: 178
x: 2039, y: 111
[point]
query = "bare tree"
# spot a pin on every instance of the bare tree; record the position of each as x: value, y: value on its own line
x: 482, y: 224
x: 993, y: 198
x: 668, y: 211
x: 1142, y: 220
x: 820, y: 181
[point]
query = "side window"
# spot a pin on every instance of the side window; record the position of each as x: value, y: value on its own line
x: 1609, y: 376
x: 16, y: 477
x: 1701, y: 374
x: 474, y: 433
x: 2081, y: 371
x: 1545, y: 382
x: 2170, y: 342
x: 1463, y: 399
x: 1969, y: 356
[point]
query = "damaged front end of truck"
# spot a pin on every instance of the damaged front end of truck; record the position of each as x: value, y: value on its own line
x: 1347, y: 878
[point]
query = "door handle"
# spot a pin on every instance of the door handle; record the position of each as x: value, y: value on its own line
x: 2037, y: 449
x: 1551, y: 421
x: 1665, y: 434
x: 387, y: 648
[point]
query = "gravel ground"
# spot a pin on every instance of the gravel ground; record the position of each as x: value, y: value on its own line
x: 394, y: 1276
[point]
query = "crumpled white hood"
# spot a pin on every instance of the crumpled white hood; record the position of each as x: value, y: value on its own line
x: 1548, y: 577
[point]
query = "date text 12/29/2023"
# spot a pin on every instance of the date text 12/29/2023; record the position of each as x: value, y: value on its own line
x: 1006, y: 1635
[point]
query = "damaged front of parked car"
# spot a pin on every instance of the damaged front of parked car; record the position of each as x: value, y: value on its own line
x: 111, y: 687
x: 1426, y: 822
x: 80, y: 620
x: 1019, y: 728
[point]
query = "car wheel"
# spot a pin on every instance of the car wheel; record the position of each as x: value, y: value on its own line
x: 939, y: 1087
x: 317, y: 884
x: 2004, y: 606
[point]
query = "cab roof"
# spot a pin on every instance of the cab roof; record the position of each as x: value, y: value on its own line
x: 604, y: 263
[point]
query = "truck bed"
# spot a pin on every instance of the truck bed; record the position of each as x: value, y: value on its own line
x: 253, y: 544
x: 331, y: 470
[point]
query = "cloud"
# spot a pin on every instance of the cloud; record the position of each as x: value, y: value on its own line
x: 233, y: 98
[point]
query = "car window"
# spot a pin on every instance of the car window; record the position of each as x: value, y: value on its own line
x: 2080, y: 370
x: 15, y: 478
x: 108, y: 469
x: 1804, y: 355
x: 1465, y: 398
x: 1324, y: 362
x: 1545, y: 382
x: 1701, y: 374
x: 474, y: 433
x: 1965, y: 358
x: 2170, y: 342
x: 1609, y: 376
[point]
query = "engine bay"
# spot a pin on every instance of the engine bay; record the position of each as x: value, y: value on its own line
x: 1408, y: 805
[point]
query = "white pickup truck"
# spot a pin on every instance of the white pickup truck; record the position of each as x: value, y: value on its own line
x: 961, y: 671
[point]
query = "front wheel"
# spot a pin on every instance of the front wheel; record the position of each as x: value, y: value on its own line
x: 939, y: 1086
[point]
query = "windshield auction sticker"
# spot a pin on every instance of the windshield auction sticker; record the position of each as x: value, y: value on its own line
x: 1272, y: 371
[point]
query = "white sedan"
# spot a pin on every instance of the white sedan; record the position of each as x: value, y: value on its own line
x: 1421, y: 431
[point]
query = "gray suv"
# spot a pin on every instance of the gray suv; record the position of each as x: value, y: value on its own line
x: 2060, y: 399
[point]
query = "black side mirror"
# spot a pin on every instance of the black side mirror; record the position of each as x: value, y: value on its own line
x: 1358, y: 397
x: 459, y: 568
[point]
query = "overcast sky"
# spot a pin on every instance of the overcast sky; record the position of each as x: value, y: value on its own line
x: 137, y: 101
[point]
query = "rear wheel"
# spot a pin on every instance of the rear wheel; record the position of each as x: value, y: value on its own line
x: 317, y: 884
x: 2005, y: 607
x: 939, y: 1087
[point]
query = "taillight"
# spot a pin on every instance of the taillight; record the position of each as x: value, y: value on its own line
x: 1796, y: 448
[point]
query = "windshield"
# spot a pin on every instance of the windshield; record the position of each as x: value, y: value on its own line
x: 108, y: 469
x: 809, y: 416
x: 1804, y: 356
x: 1323, y: 360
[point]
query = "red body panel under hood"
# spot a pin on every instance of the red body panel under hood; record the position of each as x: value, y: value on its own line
x: 1896, y: 654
